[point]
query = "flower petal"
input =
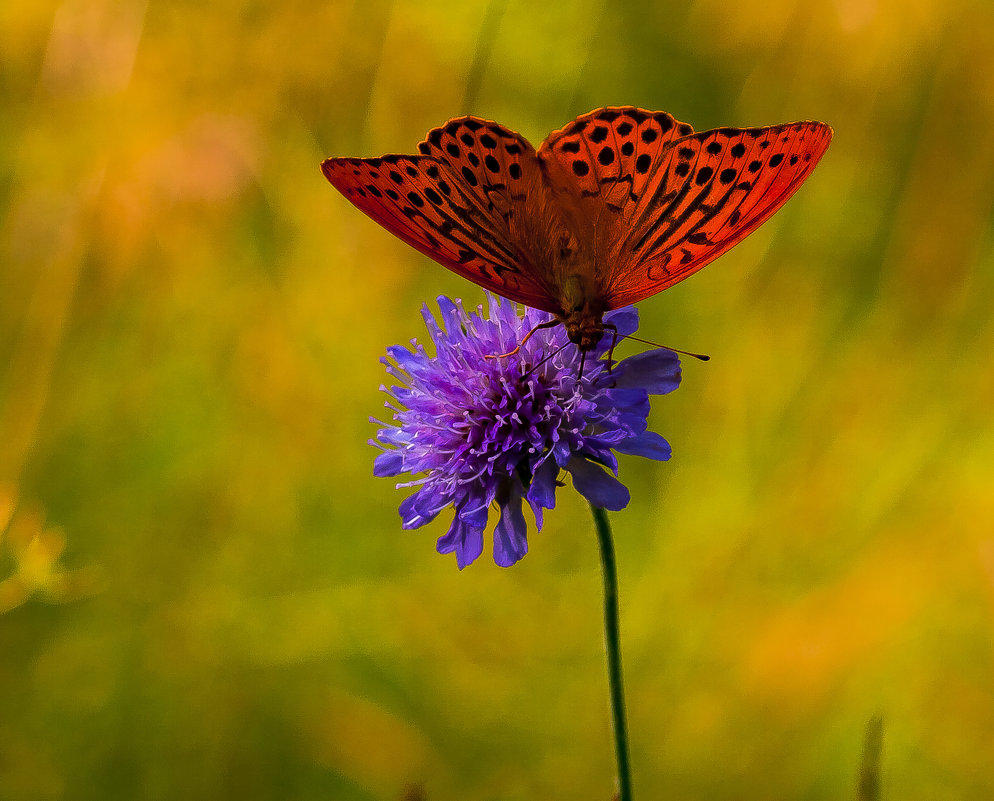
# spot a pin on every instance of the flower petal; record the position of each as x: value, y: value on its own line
x: 466, y: 539
x: 628, y: 401
x: 655, y: 371
x: 537, y: 511
x: 648, y: 444
x: 542, y: 491
x: 388, y: 463
x: 626, y: 320
x: 600, y: 454
x: 510, y: 534
x: 598, y: 487
x: 447, y: 308
x: 476, y: 516
x: 420, y: 508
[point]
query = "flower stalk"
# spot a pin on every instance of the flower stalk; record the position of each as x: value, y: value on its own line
x: 612, y: 638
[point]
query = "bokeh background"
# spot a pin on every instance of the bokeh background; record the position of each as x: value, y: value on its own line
x: 205, y: 593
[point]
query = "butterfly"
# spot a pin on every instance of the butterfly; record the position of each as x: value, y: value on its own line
x: 616, y: 206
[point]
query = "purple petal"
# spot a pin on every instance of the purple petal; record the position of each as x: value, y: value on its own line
x: 405, y: 358
x: 465, y: 539
x: 388, y: 463
x: 561, y: 453
x: 629, y: 401
x: 625, y: 320
x: 498, y: 311
x: 601, y: 454
x: 420, y: 508
x: 447, y: 312
x: 542, y: 491
x: 537, y: 511
x: 510, y: 540
x: 598, y: 487
x: 656, y: 371
x: 408, y: 515
x: 476, y: 516
x: 648, y: 444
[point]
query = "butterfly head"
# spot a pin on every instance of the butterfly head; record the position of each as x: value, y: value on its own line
x: 584, y: 330
x: 583, y: 312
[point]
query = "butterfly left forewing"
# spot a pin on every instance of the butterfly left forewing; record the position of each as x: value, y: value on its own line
x: 712, y: 189
x: 454, y: 203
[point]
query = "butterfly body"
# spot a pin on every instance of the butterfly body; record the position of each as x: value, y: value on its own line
x: 616, y: 206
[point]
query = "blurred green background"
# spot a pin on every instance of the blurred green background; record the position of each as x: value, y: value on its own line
x: 205, y: 593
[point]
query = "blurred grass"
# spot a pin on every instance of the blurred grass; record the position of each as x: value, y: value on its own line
x: 207, y: 595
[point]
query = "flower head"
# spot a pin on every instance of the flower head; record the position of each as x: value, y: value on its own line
x: 478, y: 431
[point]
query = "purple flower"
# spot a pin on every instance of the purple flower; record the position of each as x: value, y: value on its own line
x: 478, y: 431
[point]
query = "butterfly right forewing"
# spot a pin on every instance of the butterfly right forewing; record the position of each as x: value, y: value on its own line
x: 712, y: 190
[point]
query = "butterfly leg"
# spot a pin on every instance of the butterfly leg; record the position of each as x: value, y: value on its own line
x: 614, y: 341
x: 610, y: 352
x: 549, y: 324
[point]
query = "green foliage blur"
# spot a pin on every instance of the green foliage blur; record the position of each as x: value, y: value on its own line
x: 205, y: 594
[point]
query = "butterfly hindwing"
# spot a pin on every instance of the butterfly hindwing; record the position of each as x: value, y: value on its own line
x: 604, y: 157
x: 493, y: 163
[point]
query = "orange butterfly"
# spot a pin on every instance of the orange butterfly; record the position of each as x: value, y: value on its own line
x: 618, y: 205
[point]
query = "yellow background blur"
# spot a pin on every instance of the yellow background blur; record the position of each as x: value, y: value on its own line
x: 205, y: 593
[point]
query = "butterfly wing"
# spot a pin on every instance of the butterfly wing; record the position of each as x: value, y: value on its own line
x: 666, y: 207
x: 604, y: 157
x: 458, y: 202
x: 716, y: 187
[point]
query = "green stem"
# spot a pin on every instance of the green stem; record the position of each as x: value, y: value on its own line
x: 613, y: 638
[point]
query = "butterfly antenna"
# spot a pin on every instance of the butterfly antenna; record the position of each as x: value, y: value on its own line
x: 702, y: 356
x: 528, y: 336
x: 538, y: 364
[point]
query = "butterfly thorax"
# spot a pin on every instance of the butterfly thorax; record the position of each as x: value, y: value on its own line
x: 582, y: 311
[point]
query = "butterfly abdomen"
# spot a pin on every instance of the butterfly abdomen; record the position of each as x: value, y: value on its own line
x: 567, y: 262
